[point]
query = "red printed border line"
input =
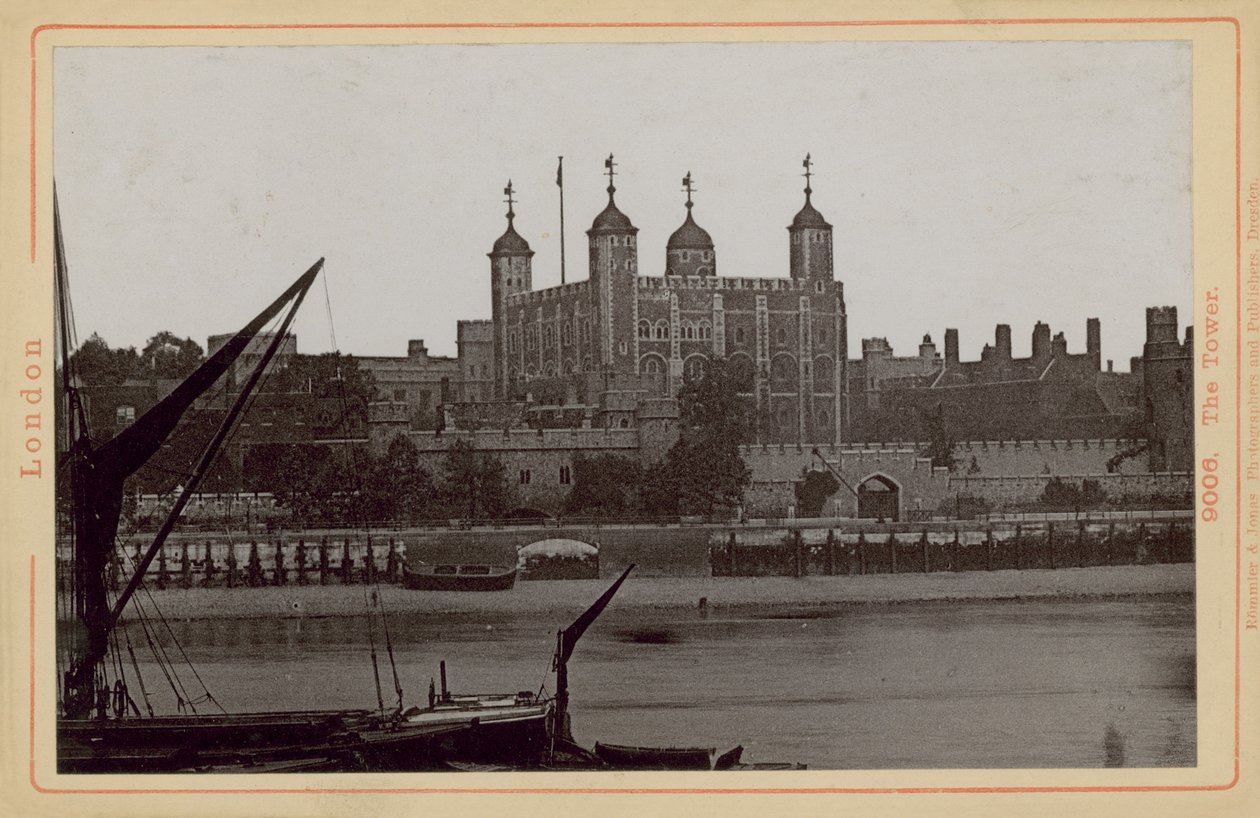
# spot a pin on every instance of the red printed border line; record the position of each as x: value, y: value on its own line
x: 706, y: 790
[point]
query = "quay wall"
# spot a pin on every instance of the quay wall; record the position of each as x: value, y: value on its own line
x: 772, y: 547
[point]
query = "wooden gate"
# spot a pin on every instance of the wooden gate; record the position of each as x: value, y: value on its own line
x: 879, y: 499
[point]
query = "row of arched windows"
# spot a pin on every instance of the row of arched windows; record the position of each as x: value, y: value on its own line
x: 785, y: 419
x: 781, y: 336
x: 549, y: 336
x: 550, y: 370
x: 687, y: 330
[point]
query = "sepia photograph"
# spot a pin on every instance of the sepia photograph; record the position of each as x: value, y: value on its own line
x: 534, y: 407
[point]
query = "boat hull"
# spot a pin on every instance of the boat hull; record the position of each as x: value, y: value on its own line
x: 620, y: 757
x: 515, y: 735
x: 343, y: 741
x: 501, y: 580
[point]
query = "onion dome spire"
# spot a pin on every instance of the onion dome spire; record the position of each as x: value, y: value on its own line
x: 808, y: 215
x: 510, y: 242
x: 689, y: 250
x: 690, y: 235
x: 611, y: 218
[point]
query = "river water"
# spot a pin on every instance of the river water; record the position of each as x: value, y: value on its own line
x: 1050, y: 683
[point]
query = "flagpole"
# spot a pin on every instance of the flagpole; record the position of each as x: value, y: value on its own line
x: 560, y: 182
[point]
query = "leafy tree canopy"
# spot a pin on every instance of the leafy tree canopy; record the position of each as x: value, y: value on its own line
x: 703, y: 471
x: 812, y: 491
x: 166, y: 355
x: 336, y: 380
x: 97, y: 364
x: 940, y: 439
x: 474, y: 484
x: 605, y: 485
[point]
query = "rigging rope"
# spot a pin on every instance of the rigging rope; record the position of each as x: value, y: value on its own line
x: 356, y: 511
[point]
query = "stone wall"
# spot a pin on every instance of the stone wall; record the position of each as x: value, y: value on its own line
x: 1136, y: 488
x: 1007, y: 458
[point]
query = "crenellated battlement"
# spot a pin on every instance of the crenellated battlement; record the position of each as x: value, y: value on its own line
x: 562, y: 440
x: 556, y: 293
x: 722, y: 284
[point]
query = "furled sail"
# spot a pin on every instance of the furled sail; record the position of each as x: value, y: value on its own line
x: 98, y: 475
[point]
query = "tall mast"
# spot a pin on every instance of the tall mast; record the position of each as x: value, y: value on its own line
x: 97, y: 478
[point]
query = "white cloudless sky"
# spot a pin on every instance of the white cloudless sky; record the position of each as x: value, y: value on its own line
x: 969, y: 184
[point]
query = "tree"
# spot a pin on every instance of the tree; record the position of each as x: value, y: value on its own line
x: 812, y: 491
x: 397, y: 488
x: 97, y: 364
x: 711, y: 407
x: 166, y: 355
x: 606, y: 485
x: 1061, y: 495
x: 333, y: 380
x: 703, y: 470
x: 306, y: 479
x: 941, y: 443
x: 474, y: 484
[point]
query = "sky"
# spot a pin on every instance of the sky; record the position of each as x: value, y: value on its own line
x: 969, y: 183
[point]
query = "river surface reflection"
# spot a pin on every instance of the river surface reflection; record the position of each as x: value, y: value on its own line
x: 1049, y: 683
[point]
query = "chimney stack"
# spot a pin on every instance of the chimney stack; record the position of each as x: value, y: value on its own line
x: 1041, y: 341
x: 1002, y: 342
x: 951, y: 346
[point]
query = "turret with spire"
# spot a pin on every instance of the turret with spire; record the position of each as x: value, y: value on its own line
x: 810, y: 237
x: 614, y: 270
x: 689, y: 251
x: 511, y: 271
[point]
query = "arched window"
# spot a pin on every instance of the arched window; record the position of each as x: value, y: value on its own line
x: 662, y: 331
x: 818, y: 286
x: 566, y: 334
x: 693, y: 368
x: 824, y: 373
x: 549, y: 370
x: 783, y: 374
x: 742, y: 370
x: 688, y: 331
x: 739, y: 335
x: 549, y: 336
x: 780, y: 336
x: 645, y: 329
x: 586, y: 332
x: 652, y: 365
x: 706, y: 331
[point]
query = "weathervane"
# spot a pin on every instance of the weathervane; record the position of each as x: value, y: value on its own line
x: 610, y: 165
x: 808, y: 164
x: 507, y: 191
x: 688, y: 187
